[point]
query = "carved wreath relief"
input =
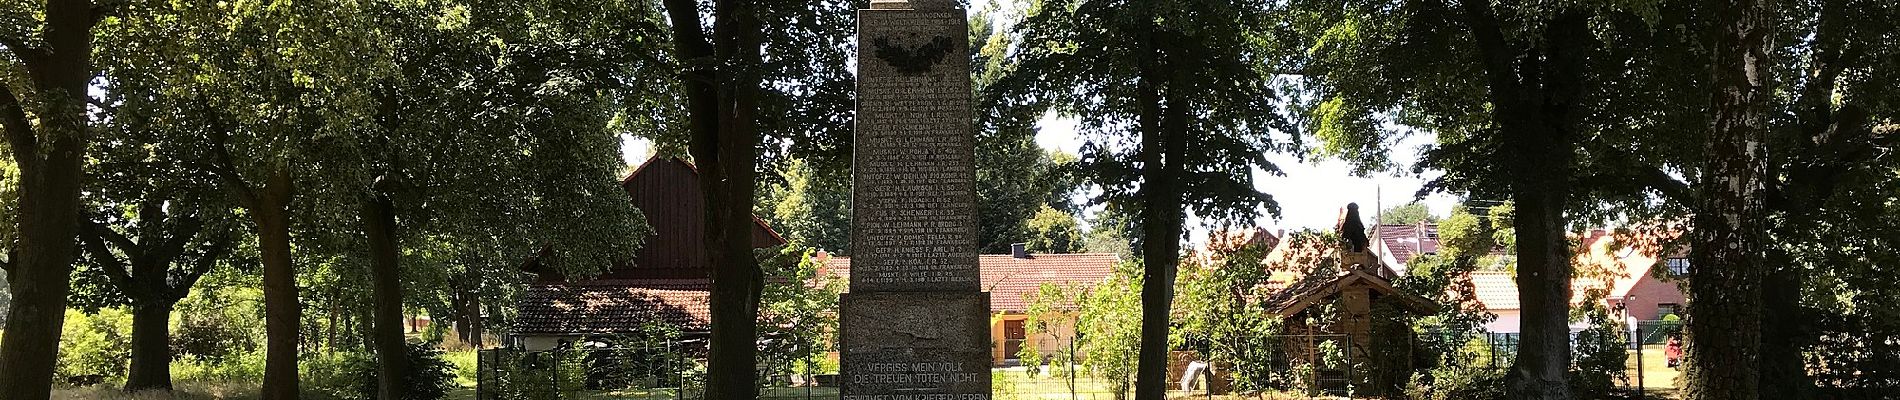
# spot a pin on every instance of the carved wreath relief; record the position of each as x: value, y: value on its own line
x: 912, y: 59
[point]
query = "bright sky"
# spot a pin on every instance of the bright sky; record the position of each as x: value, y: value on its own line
x: 1310, y: 195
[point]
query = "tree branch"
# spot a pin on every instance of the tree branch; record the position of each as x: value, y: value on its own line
x: 1491, y: 50
x: 29, y: 55
x: 181, y: 231
x: 221, y: 164
x: 1645, y: 175
x: 93, y: 236
x: 206, y: 260
x: 19, y: 132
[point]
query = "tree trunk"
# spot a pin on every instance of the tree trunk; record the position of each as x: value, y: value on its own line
x: 151, y: 347
x: 282, y: 313
x: 1161, y: 220
x: 737, y: 280
x: 41, y: 275
x: 1727, y: 241
x: 49, y: 159
x: 721, y: 113
x: 1784, y: 374
x: 1543, y: 281
x: 392, y: 350
x: 1535, y: 91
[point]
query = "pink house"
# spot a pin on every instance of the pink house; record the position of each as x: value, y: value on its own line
x: 1625, y: 274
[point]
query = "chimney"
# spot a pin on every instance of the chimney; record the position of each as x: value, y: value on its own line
x: 1019, y: 250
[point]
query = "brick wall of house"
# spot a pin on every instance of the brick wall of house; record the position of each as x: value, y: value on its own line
x: 1649, y: 294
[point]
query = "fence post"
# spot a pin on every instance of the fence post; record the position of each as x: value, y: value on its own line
x: 558, y: 359
x: 1639, y: 359
x: 1072, y: 360
x: 679, y: 369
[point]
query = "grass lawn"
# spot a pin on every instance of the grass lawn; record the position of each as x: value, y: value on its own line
x: 1656, y: 375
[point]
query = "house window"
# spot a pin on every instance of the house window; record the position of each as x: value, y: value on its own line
x: 1665, y: 309
x: 1678, y: 266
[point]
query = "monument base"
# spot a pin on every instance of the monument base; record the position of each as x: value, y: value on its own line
x: 915, y: 346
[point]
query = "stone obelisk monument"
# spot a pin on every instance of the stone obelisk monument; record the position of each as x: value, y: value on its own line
x: 916, y: 321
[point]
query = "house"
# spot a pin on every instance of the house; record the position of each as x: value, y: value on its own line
x: 1012, y: 280
x: 666, y: 281
x: 1621, y: 270
x: 1396, y: 245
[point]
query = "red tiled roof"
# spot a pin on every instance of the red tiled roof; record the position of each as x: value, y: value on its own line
x: 1009, y: 279
x: 1602, y: 266
x: 1406, y: 241
x: 612, y: 306
x: 1495, y: 290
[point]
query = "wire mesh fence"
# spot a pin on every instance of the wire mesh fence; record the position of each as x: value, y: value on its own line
x: 1316, y: 365
x: 1655, y: 354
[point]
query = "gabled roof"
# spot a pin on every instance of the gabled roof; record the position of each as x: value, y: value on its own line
x: 1306, y: 292
x: 612, y: 306
x: 1402, y: 242
x: 1008, y: 279
x: 667, y: 192
x: 1604, y: 264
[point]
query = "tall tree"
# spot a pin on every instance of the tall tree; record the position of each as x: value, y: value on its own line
x: 811, y: 207
x: 1179, y: 103
x: 151, y: 255
x: 1822, y: 148
x: 1525, y: 98
x: 438, y: 150
x: 1728, y: 235
x: 722, y: 94
x: 1053, y: 231
x: 43, y: 111
x: 758, y: 82
x: 1015, y: 176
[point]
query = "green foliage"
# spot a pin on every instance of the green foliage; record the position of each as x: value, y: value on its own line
x: 1110, y: 231
x: 207, y: 339
x: 237, y: 367
x: 798, y: 308
x: 809, y: 208
x: 1110, y: 328
x: 1221, y: 314
x: 336, y: 375
x: 466, y: 366
x: 430, y: 376
x: 95, y: 347
x: 1601, y: 355
x: 1208, y: 67
x: 6, y: 295
x: 1015, y: 177
x: 1054, y: 231
x: 1459, y: 382
x: 1408, y: 214
x: 353, y: 375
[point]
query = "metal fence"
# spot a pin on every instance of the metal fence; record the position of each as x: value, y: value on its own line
x: 670, y: 370
x: 1650, y: 367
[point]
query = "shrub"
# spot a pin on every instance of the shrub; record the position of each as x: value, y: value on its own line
x: 334, y: 375
x: 353, y: 375
x: 466, y: 370
x: 94, y: 348
x: 237, y: 367
x: 1601, y: 356
x: 1458, y: 383
x: 430, y: 376
x: 206, y: 339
